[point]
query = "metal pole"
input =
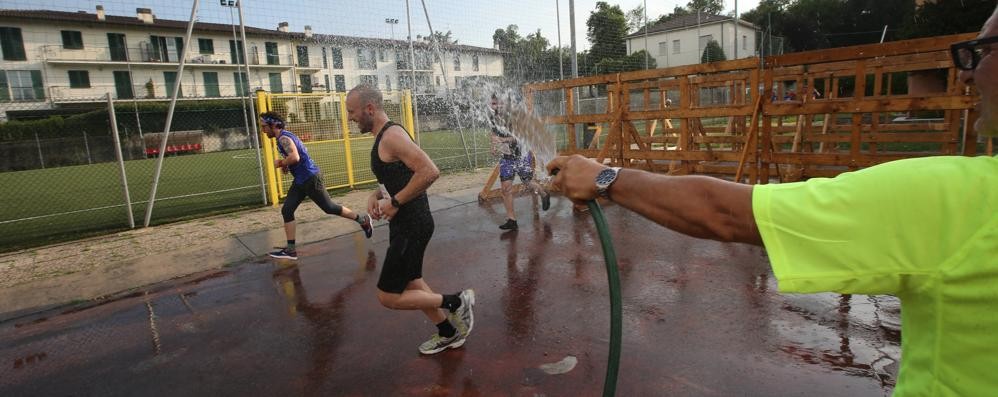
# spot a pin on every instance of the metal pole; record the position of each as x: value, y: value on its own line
x: 86, y: 145
x: 443, y: 71
x: 239, y: 78
x: 571, y: 31
x: 647, y: 51
x: 41, y: 160
x: 561, y: 66
x: 412, y: 72
x: 884, y: 34
x: 736, y: 29
x: 252, y: 107
x: 121, y: 161
x: 169, y: 115
x: 135, y: 105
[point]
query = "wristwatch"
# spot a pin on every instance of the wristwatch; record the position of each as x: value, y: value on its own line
x: 395, y: 203
x: 604, y: 179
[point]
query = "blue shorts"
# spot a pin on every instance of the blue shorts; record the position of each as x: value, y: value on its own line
x: 522, y: 166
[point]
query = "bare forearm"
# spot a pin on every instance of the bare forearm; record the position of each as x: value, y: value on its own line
x: 698, y: 206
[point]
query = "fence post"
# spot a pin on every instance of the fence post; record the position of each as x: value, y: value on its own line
x: 407, y: 111
x: 121, y: 162
x: 41, y: 160
x: 264, y: 105
x: 346, y: 137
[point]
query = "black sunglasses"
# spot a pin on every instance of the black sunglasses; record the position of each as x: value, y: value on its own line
x: 967, y: 54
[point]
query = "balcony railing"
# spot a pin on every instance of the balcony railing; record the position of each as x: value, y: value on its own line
x: 97, y: 92
x: 147, y: 54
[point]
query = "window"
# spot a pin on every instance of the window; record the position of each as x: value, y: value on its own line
x: 79, y: 79
x: 4, y: 89
x: 116, y: 45
x: 327, y: 82
x: 370, y: 80
x: 744, y: 42
x: 663, y: 48
x: 276, y: 84
x: 12, y: 45
x: 675, y: 46
x: 171, y: 80
x: 457, y: 62
x: 72, y: 40
x: 236, y: 54
x: 211, y: 84
x: 388, y: 83
x: 381, y: 55
x: 306, y: 83
x: 206, y: 46
x: 365, y: 59
x: 25, y: 85
x: 302, y: 56
x: 337, y: 58
x: 438, y: 81
x: 325, y: 61
x: 341, y: 83
x: 474, y: 62
x: 123, y: 84
x: 273, y: 58
x: 242, y: 83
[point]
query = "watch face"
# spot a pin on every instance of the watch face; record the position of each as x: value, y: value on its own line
x: 606, y: 176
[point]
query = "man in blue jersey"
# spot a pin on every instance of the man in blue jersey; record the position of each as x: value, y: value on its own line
x: 307, y: 183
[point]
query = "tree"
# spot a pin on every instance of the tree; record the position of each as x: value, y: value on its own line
x: 712, y: 53
x: 441, y: 38
x: 607, y: 28
x: 506, y: 39
x: 636, y: 18
x: 705, y: 6
x: 947, y: 17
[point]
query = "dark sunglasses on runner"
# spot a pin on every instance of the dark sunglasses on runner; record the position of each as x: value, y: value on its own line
x: 967, y: 54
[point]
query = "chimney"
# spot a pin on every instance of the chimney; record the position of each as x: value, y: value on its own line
x: 308, y: 31
x: 145, y: 15
x: 100, y: 13
x: 282, y: 27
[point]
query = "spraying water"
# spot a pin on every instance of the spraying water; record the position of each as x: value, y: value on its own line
x: 508, y: 116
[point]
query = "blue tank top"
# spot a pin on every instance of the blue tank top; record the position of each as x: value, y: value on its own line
x: 304, y: 168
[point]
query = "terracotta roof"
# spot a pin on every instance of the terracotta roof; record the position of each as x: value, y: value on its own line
x: 686, y: 21
x: 117, y: 20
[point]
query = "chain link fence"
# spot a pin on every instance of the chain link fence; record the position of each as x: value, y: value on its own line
x: 64, y: 180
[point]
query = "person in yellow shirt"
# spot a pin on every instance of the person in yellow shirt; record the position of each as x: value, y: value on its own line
x: 924, y: 230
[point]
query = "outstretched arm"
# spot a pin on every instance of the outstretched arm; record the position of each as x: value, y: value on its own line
x: 698, y: 206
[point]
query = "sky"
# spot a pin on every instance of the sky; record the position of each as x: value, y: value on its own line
x: 471, y: 22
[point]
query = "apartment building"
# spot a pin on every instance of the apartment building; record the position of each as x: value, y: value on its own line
x: 682, y: 40
x: 54, y: 58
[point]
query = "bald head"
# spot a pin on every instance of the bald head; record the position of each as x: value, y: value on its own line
x: 367, y: 95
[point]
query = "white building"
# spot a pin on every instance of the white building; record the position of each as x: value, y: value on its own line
x: 53, y: 58
x: 681, y: 40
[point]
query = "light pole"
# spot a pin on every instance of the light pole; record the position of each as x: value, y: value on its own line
x: 392, y: 22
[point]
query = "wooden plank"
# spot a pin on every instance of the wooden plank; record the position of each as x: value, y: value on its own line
x: 868, y: 105
x: 569, y: 111
x: 938, y: 43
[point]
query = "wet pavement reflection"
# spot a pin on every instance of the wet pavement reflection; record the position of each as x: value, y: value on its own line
x: 701, y: 318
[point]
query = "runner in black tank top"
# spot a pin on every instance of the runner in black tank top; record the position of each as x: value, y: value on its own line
x: 401, y: 285
x: 414, y: 216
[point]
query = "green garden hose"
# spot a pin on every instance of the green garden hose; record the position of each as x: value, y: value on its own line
x: 613, y: 279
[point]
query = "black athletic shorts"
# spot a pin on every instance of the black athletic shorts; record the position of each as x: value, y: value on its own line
x: 404, y: 259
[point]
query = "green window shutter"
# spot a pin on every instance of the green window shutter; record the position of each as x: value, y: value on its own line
x: 79, y: 79
x: 211, y: 85
x: 276, y: 85
x: 36, y: 84
x: 12, y: 45
x: 273, y: 57
x: 4, y: 89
